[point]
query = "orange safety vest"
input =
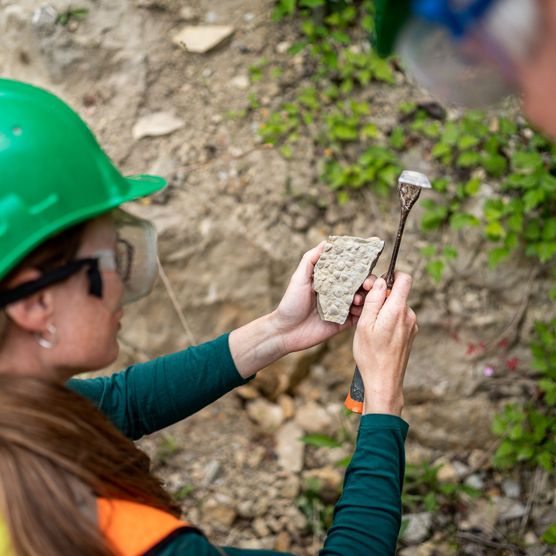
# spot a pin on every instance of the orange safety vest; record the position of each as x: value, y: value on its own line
x: 132, y: 528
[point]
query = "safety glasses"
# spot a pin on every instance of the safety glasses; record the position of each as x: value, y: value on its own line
x: 134, y: 259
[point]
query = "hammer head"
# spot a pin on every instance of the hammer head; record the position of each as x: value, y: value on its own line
x: 410, y: 185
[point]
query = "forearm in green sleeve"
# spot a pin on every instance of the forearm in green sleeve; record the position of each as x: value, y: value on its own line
x: 150, y: 396
x: 367, y: 517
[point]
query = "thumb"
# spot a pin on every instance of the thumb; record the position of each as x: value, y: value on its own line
x: 304, y: 270
x: 373, y: 303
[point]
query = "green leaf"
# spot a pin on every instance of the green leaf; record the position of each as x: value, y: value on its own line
x: 493, y: 209
x: 495, y: 165
x: 435, y: 269
x: 495, y: 230
x: 440, y: 150
x: 468, y: 159
x: 549, y: 229
x: 320, y: 440
x: 466, y: 142
x: 546, y: 461
x: 527, y: 162
x: 533, y: 198
x: 428, y: 251
x: 344, y: 462
x: 450, y: 134
x: 450, y: 252
x: 472, y: 186
x: 549, y: 536
x: 397, y: 138
x: 462, y: 220
x: 344, y: 132
x: 525, y: 453
x: 441, y: 184
x: 545, y: 250
x: 505, y: 449
x: 286, y: 151
x: 497, y: 255
x: 369, y: 130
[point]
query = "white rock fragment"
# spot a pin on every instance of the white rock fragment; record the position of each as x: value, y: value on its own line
x: 313, y: 418
x: 418, y: 527
x: 340, y: 271
x: 267, y: 415
x: 188, y: 13
x: 156, y: 124
x: 240, y: 82
x: 202, y: 38
x: 289, y: 448
x: 283, y: 47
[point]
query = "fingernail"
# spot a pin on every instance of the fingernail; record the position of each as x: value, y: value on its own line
x: 380, y: 284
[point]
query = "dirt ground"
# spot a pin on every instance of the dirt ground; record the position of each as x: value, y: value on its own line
x: 233, y: 224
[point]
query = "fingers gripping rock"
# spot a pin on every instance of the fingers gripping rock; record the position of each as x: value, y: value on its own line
x: 342, y: 268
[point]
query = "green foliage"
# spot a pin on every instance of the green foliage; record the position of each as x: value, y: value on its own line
x: 528, y: 432
x: 319, y: 513
x: 423, y: 491
x: 519, y: 211
x: 549, y: 536
x: 334, y: 36
x: 72, y: 14
x: 167, y: 448
x: 320, y: 441
x: 183, y: 492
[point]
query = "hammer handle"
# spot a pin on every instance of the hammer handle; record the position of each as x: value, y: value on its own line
x: 356, y: 394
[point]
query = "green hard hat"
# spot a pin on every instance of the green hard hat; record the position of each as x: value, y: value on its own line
x: 53, y: 173
x: 390, y: 17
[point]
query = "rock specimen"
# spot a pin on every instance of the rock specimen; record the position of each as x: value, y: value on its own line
x: 157, y: 124
x: 342, y: 268
x: 202, y: 38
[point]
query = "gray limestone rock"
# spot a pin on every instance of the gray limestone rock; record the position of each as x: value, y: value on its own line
x: 340, y: 271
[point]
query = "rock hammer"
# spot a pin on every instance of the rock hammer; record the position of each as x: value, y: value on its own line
x: 410, y: 185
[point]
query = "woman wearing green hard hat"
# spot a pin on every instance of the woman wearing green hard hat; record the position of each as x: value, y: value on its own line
x: 476, y: 52
x: 71, y: 479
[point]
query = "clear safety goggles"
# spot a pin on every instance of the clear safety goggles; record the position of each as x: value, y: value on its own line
x: 134, y: 259
x: 467, y: 52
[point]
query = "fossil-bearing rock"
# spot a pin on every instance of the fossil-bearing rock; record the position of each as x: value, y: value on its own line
x: 340, y: 271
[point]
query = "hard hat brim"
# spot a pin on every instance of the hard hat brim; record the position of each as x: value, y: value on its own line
x: 143, y: 185
x: 139, y: 186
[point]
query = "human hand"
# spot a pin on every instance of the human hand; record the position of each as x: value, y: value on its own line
x: 382, y: 344
x: 297, y: 320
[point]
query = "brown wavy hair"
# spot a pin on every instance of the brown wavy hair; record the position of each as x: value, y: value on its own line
x: 58, y: 453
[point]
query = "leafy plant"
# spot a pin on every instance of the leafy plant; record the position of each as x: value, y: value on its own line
x: 334, y: 37
x: 423, y: 491
x: 518, y: 214
x: 319, y: 514
x: 528, y: 432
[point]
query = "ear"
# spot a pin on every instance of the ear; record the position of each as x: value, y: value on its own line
x: 32, y: 313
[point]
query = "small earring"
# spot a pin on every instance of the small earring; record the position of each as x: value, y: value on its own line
x: 44, y: 342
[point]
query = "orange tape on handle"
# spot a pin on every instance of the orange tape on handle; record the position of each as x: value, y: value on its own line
x: 352, y: 405
x: 356, y: 394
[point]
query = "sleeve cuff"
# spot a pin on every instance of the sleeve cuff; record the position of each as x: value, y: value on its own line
x: 382, y: 421
x: 223, y: 345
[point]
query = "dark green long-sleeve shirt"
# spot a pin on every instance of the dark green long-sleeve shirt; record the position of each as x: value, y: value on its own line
x: 150, y: 396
